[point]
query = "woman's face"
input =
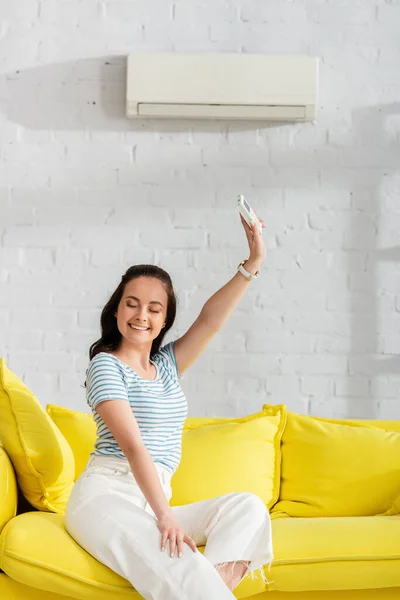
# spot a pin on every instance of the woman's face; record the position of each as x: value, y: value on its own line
x: 142, y: 310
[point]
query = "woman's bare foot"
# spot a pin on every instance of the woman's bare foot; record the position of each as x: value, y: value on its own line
x: 232, y: 572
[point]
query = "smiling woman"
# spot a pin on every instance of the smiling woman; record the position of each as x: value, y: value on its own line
x: 145, y: 299
x: 119, y: 506
x: 140, y: 320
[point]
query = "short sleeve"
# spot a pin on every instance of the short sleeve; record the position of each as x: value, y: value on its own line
x: 167, y: 355
x: 104, y: 381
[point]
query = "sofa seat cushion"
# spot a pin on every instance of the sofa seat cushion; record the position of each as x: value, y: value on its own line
x: 13, y: 590
x: 335, y: 553
x: 37, y: 551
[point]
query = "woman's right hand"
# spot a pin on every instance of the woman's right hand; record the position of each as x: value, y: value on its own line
x: 171, y: 531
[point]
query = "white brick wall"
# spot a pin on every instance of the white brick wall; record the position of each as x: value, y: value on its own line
x: 85, y: 193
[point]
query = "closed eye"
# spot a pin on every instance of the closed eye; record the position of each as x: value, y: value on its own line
x: 153, y: 311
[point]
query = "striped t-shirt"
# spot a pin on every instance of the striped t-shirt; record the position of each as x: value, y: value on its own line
x: 160, y: 406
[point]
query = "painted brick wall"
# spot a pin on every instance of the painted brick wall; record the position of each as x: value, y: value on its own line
x: 85, y: 193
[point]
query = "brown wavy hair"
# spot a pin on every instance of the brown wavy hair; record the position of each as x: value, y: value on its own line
x: 110, y: 334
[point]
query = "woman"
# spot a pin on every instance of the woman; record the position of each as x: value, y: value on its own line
x: 119, y: 508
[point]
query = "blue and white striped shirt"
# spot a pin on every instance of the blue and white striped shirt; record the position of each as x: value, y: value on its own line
x: 160, y: 406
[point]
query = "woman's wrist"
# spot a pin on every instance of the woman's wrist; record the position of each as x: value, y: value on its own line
x: 252, y: 266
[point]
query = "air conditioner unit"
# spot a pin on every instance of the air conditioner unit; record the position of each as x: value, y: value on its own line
x: 222, y: 86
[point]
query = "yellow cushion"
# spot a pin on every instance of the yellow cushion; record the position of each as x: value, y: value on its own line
x: 391, y: 425
x: 13, y: 590
x: 237, y: 455
x: 230, y: 443
x: 375, y: 423
x: 41, y: 456
x: 79, y: 429
x: 331, y: 469
x: 8, y: 489
x: 36, y: 550
x: 394, y: 509
x: 335, y: 553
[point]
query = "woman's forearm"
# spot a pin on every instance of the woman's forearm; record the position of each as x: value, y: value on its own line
x: 145, y: 473
x: 221, y: 305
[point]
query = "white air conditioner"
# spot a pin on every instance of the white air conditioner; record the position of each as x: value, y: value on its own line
x: 222, y: 86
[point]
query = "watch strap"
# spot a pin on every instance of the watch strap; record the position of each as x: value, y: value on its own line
x: 242, y: 270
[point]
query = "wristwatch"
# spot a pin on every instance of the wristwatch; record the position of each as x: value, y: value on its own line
x: 249, y: 276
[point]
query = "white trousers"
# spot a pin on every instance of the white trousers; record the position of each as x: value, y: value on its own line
x: 108, y: 515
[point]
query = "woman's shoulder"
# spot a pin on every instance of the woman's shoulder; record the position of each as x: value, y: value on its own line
x: 166, y: 357
x: 102, y: 356
x: 104, y: 360
x: 166, y: 352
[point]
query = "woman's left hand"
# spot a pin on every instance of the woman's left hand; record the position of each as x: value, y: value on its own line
x: 255, y: 239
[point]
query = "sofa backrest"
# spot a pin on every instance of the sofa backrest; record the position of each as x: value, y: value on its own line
x: 8, y: 489
x: 391, y: 425
x: 339, y: 467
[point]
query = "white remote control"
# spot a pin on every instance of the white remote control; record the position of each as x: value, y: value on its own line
x: 248, y: 213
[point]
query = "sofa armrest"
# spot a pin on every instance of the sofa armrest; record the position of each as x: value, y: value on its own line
x: 8, y: 489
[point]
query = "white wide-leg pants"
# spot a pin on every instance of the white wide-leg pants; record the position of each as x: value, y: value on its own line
x: 108, y: 515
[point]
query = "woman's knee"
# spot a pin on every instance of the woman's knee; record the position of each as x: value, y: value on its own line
x: 253, y: 505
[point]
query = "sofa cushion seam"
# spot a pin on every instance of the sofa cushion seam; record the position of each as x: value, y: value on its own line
x: 302, y: 561
x: 37, y: 563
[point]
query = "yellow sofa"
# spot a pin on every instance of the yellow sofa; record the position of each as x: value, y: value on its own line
x: 332, y: 487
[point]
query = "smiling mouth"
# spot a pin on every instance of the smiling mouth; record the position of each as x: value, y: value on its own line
x: 138, y: 330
